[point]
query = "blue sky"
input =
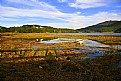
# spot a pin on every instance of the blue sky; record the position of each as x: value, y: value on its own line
x: 71, y: 14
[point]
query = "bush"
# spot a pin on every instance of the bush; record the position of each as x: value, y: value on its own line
x: 87, y: 60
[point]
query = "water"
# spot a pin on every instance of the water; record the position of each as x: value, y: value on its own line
x: 93, y: 48
x: 34, y: 47
x: 95, y: 55
x: 58, y: 40
x: 119, y: 64
x: 91, y: 53
x: 94, y: 44
x: 86, y: 42
x: 92, y: 34
x: 59, y: 48
x: 83, y: 51
x: 116, y: 46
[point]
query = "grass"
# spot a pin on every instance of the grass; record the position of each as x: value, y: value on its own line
x: 46, y: 36
x: 50, y: 68
x: 53, y: 70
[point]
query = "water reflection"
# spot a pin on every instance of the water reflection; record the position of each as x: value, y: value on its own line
x: 93, y: 34
x: 93, y: 48
x: 34, y: 47
x: 59, y: 40
x: 116, y: 47
x: 86, y: 42
x: 83, y: 51
x: 95, y: 55
x: 95, y: 44
x: 91, y: 53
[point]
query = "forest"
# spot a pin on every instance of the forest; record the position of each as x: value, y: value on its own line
x: 36, y: 29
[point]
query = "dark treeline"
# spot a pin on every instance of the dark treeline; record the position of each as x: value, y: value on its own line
x: 107, y: 26
x: 36, y: 29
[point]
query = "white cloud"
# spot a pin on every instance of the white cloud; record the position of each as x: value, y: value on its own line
x: 7, y: 19
x: 74, y: 20
x: 39, y: 9
x: 80, y: 21
x: 15, y: 12
x: 78, y: 12
x: 83, y: 4
x: 103, y: 16
x: 35, y: 4
x: 88, y: 1
x: 62, y: 0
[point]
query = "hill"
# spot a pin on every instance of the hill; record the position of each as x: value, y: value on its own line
x: 107, y: 26
x: 36, y: 29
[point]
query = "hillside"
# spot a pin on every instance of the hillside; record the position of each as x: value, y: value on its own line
x: 107, y: 26
x: 36, y: 29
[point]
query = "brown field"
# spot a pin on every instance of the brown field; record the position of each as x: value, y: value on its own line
x: 47, y: 64
x: 103, y: 39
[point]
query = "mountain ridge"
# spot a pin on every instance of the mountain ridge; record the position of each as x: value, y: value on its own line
x: 106, y: 26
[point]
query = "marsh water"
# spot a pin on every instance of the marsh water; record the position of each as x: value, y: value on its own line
x: 93, y: 48
x: 93, y: 34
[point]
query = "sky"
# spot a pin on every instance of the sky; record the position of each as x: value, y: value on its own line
x: 72, y: 14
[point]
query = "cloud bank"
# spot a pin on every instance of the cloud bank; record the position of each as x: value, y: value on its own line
x: 36, y: 10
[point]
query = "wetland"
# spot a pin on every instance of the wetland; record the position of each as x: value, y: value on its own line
x: 52, y: 56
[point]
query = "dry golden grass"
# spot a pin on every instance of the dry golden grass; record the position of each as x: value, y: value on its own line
x: 51, y: 68
x: 103, y: 39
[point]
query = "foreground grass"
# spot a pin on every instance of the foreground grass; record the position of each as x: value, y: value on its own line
x: 100, y: 69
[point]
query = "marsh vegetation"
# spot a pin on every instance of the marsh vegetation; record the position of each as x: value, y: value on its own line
x: 22, y: 57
